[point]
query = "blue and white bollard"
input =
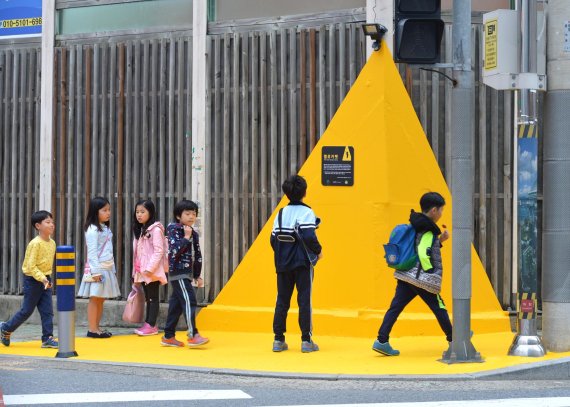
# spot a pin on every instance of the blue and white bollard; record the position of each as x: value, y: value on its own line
x: 65, y: 280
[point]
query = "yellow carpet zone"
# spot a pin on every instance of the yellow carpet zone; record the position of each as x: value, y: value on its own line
x: 353, y: 287
x: 252, y: 351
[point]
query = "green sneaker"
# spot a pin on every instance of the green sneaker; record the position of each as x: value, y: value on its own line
x: 384, y: 348
x: 279, y: 346
x: 307, y: 347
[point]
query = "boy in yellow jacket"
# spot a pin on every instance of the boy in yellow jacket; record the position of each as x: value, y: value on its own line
x: 37, y: 267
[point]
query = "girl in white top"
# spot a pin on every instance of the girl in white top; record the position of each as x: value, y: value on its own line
x: 102, y: 283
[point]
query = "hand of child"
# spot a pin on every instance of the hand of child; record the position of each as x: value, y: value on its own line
x: 97, y: 278
x: 47, y: 284
x: 198, y: 282
x: 187, y: 232
x: 445, y: 235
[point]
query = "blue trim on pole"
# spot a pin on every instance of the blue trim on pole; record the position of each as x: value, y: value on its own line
x: 65, y: 293
x: 65, y: 249
x: 65, y: 262
x: 65, y: 274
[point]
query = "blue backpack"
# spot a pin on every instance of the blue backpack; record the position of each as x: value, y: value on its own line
x: 400, y: 251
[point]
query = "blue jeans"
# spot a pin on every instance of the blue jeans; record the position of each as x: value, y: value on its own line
x: 34, y: 296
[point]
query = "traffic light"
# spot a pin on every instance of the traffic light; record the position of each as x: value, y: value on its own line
x: 418, y: 31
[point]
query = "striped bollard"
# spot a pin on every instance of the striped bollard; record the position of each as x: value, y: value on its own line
x: 526, y: 341
x: 65, y: 280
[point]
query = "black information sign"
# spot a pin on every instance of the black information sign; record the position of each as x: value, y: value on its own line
x: 338, y: 166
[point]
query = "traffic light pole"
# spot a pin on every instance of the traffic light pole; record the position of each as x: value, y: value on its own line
x: 461, y: 350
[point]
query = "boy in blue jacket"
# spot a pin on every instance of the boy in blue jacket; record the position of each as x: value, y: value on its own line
x: 296, y: 250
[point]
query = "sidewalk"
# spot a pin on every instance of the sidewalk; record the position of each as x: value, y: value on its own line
x: 339, y: 357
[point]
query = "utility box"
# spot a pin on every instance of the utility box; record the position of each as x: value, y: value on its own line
x: 500, y: 48
x: 501, y: 52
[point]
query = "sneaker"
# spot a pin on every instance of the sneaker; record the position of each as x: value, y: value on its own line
x: 171, y: 342
x: 50, y: 343
x: 307, y: 347
x: 279, y: 346
x: 99, y: 335
x: 384, y: 348
x: 4, y: 335
x: 147, y: 330
x: 197, y: 340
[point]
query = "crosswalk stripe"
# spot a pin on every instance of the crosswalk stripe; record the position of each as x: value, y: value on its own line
x: 162, y: 395
x: 521, y: 402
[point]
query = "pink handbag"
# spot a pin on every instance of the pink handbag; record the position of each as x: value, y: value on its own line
x: 134, y: 310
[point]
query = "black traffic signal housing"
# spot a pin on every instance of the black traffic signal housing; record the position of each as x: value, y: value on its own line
x: 418, y: 31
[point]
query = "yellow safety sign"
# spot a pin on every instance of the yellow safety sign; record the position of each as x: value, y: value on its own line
x: 491, y: 46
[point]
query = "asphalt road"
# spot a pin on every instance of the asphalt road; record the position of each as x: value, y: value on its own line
x: 25, y: 376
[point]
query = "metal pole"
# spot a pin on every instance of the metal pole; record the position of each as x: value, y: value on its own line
x: 65, y: 282
x: 46, y: 124
x: 527, y: 342
x: 556, y: 155
x: 382, y: 12
x: 461, y: 349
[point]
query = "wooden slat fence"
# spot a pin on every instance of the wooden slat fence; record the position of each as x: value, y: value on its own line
x: 123, y: 130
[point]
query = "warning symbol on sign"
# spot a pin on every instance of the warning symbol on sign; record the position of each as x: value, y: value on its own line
x: 337, y: 166
x: 347, y: 156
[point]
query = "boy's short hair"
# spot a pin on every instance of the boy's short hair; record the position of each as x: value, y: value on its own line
x: 295, y: 187
x: 39, y: 217
x: 184, y: 205
x: 431, y: 200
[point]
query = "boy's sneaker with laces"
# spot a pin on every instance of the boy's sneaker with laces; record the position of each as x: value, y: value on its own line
x: 171, y: 342
x: 4, y: 335
x: 279, y: 346
x: 197, y: 340
x: 50, y: 343
x: 384, y: 348
x: 147, y: 330
x: 307, y: 347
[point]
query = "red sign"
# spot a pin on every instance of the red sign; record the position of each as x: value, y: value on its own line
x: 527, y: 306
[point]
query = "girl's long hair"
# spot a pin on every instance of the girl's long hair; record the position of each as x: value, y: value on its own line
x: 93, y: 213
x: 138, y: 228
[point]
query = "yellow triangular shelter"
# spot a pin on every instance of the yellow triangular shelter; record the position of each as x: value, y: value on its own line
x: 393, y: 166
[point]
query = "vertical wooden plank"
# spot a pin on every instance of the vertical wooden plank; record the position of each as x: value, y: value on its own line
x: 448, y: 88
x: 14, y: 170
x: 114, y: 160
x: 37, y: 135
x: 494, y: 189
x: 303, y: 98
x: 507, y: 137
x: 23, y: 150
x: 129, y: 137
x: 104, y: 145
x: 235, y: 153
x: 71, y: 131
x: 30, y: 145
x: 274, y: 180
x: 80, y: 180
x: 136, y: 137
x: 264, y: 175
x: 254, y: 168
x: 144, y: 136
x: 283, y: 128
x: 332, y: 105
x: 208, y: 159
x: 313, y: 90
x: 153, y: 145
x: 180, y: 121
x: 293, y: 123
x: 322, y: 80
x: 162, y: 146
x: 227, y: 263
x: 352, y: 53
x: 435, y: 116
x: 88, y: 127
x: 424, y: 101
x: 187, y: 135
x: 8, y: 272
x: 217, y: 171
x: 341, y: 62
x: 95, y: 139
x: 483, y: 174
x: 123, y: 242
x: 245, y: 140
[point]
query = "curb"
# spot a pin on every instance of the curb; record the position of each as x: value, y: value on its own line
x: 545, y: 370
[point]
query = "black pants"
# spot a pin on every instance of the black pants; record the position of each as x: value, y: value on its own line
x: 404, y: 294
x: 152, y: 304
x: 301, y: 278
x: 34, y: 296
x: 182, y: 301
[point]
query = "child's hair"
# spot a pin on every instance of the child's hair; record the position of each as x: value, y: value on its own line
x: 431, y: 200
x: 138, y: 228
x: 184, y: 205
x: 39, y: 217
x: 295, y: 187
x: 93, y: 213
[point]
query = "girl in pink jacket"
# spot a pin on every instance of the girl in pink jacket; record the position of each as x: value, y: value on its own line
x: 149, y: 261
